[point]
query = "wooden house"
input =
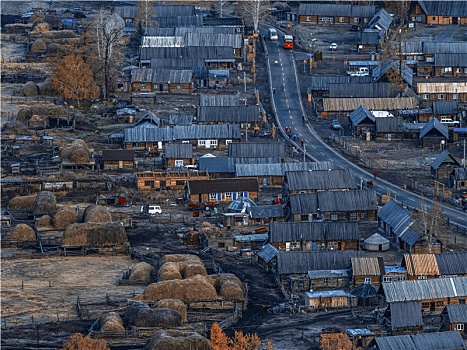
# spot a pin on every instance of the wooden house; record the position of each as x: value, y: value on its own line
x: 360, y: 205
x: 454, y: 318
x: 335, y: 106
x: 458, y: 179
x: 421, y: 266
x: 167, y: 180
x: 313, y: 236
x: 246, y: 116
x: 440, y: 341
x: 413, y: 242
x: 267, y: 257
x: 321, y: 84
x: 147, y: 120
x: 363, y: 123
x: 311, y: 181
x: 370, y: 90
x: 426, y: 52
x: 415, y: 115
x: 443, y: 165
x: 329, y: 279
x: 128, y: 14
x: 178, y: 155
x: 161, y: 80
x: 390, y: 128
x: 361, y: 338
x: 118, y: 159
x: 367, y: 270
x: 221, y: 190
x: 433, y: 295
x: 443, y: 91
x: 266, y: 214
x: 438, y: 12
x: 434, y: 134
x: 252, y: 241
x: 292, y: 267
x: 448, y: 109
x: 315, y: 13
x: 394, y: 273
x: 394, y: 219
x: 329, y: 299
x: 406, y: 318
x: 236, y: 23
x: 256, y: 150
x: 450, y: 65
x: 126, y: 115
x: 218, y: 167
x: 384, y: 72
x: 234, y: 41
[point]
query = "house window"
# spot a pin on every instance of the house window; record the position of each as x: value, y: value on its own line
x: 430, y: 59
x: 433, y: 18
x: 367, y: 280
x: 387, y: 278
x: 221, y: 244
x: 180, y: 182
x: 334, y: 217
x: 465, y: 70
x: 458, y: 70
x: 166, y: 87
x: 439, y: 303
x: 185, y: 141
x: 455, y: 96
x: 304, y: 217
x: 363, y: 215
x: 295, y: 246
x: 212, y: 195
x: 238, y: 30
x: 341, y: 19
x: 239, y: 194
x: 353, y: 216
x: 202, y: 142
x: 321, y: 19
x: 149, y: 184
x: 179, y: 87
x: 142, y: 85
x: 461, y: 301
x: 440, y: 96
x: 213, y: 142
x: 422, y: 277
x: 228, y: 141
x: 426, y: 96
x: 179, y: 163
x: 460, y: 327
x: 355, y: 19
x: 325, y: 280
x: 425, y: 305
x: 228, y: 194
x: 333, y: 245
x: 308, y: 18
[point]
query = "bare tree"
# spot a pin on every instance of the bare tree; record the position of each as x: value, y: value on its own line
x: 146, y: 14
x: 254, y: 12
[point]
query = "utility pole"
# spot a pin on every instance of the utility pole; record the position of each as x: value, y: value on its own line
x: 244, y: 80
x: 464, y: 153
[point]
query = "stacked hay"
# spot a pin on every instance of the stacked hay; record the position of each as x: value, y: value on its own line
x: 96, y: 235
x: 76, y: 152
x: 15, y: 127
x: 209, y: 229
x: 228, y: 286
x: 39, y: 45
x: 180, y: 266
x: 64, y: 217
x: 30, y: 89
x: 40, y: 26
x: 45, y: 204
x: 141, y: 272
x: 111, y: 321
x: 174, y: 304
x: 141, y: 315
x: 22, y: 202
x: 174, y: 339
x: 46, y: 88
x: 196, y: 288
x: 45, y: 222
x: 24, y: 233
x: 96, y: 213
x: 44, y: 110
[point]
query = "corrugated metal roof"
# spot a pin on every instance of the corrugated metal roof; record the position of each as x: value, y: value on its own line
x: 425, y: 289
x: 344, y: 10
x: 451, y: 59
x: 125, y: 11
x: 154, y: 134
x: 302, y: 262
x: 256, y: 237
x: 178, y: 150
x: 445, y: 107
x: 323, y: 82
x: 444, y: 8
x: 457, y: 313
x: 227, y: 114
x: 180, y: 119
x: 282, y: 232
x: 304, y: 203
x: 370, y: 90
x: 375, y: 104
x: 279, y: 169
x: 459, y: 174
x: 159, y: 75
x: 434, y: 47
x: 389, y: 124
x: 216, y: 164
x: 381, y: 20
x: 219, y: 100
x: 410, y: 237
x: 266, y: 211
x: 334, y: 201
x: 214, y: 39
x: 421, y: 265
x: 224, y: 21
x: 438, y: 341
x: 444, y: 158
x: 452, y: 263
x: 369, y: 37
x: 222, y: 185
x: 406, y: 314
x: 162, y: 41
x: 434, y: 124
x: 394, y: 215
x: 180, y: 21
x: 320, y: 180
x: 407, y: 73
x: 256, y: 149
x: 162, y: 10
x: 329, y: 274
x: 327, y: 294
x: 268, y: 253
x: 367, y: 266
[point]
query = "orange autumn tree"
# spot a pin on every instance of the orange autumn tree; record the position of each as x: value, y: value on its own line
x: 335, y: 341
x: 80, y: 342
x: 74, y: 80
x: 240, y: 341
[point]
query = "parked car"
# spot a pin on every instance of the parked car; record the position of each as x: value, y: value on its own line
x: 151, y: 209
x: 449, y: 122
x: 360, y: 72
x: 333, y: 47
x: 336, y: 124
x: 355, y: 28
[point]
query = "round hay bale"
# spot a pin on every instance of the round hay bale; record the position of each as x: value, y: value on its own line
x: 111, y: 321
x: 141, y: 315
x: 174, y: 304
x: 80, y: 155
x: 174, y: 339
x: 64, y: 217
x: 189, y: 270
x: 228, y: 286
x: 95, y: 235
x: 22, y: 202
x: 45, y: 222
x: 40, y: 26
x: 96, y: 213
x: 206, y: 224
x: 169, y: 271
x: 39, y: 45
x: 45, y: 204
x: 46, y: 88
x: 180, y: 257
x: 30, y: 89
x: 15, y: 127
x: 195, y: 288
x: 24, y: 233
x: 79, y: 143
x: 141, y: 272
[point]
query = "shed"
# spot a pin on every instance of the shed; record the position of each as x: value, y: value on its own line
x: 406, y: 318
x: 329, y: 299
x: 267, y: 256
x: 454, y: 318
x: 443, y: 165
x: 376, y: 243
x: 434, y: 134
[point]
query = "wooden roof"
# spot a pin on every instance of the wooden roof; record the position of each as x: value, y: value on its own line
x: 367, y: 266
x: 421, y: 264
x: 378, y: 104
x: 281, y: 232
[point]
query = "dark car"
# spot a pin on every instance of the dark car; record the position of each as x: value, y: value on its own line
x: 355, y: 28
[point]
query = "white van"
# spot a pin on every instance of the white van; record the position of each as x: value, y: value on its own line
x: 273, y: 34
x: 151, y: 209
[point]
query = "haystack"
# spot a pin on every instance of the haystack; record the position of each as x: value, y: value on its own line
x: 174, y: 304
x: 76, y: 152
x: 196, y: 288
x: 24, y: 233
x: 22, y: 202
x: 44, y: 110
x: 180, y: 257
x: 64, y: 217
x: 39, y: 45
x: 141, y: 315
x: 46, y: 88
x: 169, y: 271
x: 96, y: 213
x: 111, y: 321
x: 45, y: 222
x: 15, y: 127
x: 228, y: 286
x: 40, y: 27
x: 174, y: 339
x: 96, y: 235
x: 45, y: 204
x: 181, y: 270
x: 141, y: 272
x: 30, y: 89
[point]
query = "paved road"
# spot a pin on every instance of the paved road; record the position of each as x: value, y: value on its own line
x: 289, y: 111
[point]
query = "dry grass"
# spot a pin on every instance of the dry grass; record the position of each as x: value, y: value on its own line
x: 22, y: 202
x: 24, y: 233
x: 141, y: 315
x: 180, y: 266
x: 45, y: 204
x: 228, y: 286
x: 95, y: 235
x: 111, y: 321
x: 174, y: 304
x: 141, y: 272
x: 96, y: 213
x: 173, y: 339
x: 64, y: 217
x: 45, y: 222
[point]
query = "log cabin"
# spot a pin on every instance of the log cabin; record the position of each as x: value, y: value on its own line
x: 315, y: 13
x: 221, y: 190
x: 167, y: 180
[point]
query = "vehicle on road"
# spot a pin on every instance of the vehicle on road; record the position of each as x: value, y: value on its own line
x: 288, y: 42
x: 360, y: 72
x: 151, y: 209
x: 272, y: 34
x: 333, y: 47
x: 336, y: 124
x: 449, y: 122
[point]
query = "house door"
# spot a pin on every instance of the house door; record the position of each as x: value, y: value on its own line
x: 120, y: 164
x: 163, y: 185
x: 265, y: 182
x: 380, y: 247
x: 455, y: 20
x: 389, y: 137
x: 161, y: 87
x: 432, y: 306
x: 208, y: 144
